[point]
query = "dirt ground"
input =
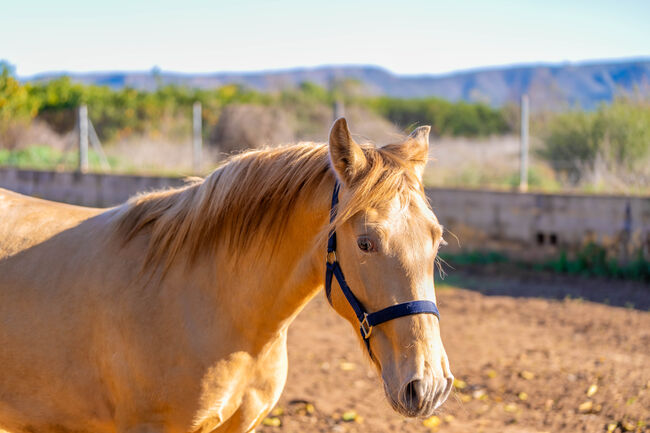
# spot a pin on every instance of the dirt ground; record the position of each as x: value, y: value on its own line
x: 523, y: 364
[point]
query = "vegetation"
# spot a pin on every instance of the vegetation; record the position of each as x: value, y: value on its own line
x: 46, y: 157
x: 593, y: 260
x: 446, y: 118
x: 607, y: 150
x: 118, y: 113
x: 615, y: 139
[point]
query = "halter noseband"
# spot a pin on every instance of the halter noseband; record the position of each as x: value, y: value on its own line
x: 366, y: 320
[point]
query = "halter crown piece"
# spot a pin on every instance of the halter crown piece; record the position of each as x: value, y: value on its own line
x: 366, y: 320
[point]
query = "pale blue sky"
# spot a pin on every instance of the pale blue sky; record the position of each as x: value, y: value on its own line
x: 407, y: 37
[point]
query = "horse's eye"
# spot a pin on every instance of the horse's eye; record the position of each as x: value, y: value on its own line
x: 365, y: 244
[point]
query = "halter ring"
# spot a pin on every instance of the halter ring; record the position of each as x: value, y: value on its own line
x: 366, y: 328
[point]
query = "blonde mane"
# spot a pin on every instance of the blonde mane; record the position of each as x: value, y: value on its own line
x: 253, y: 194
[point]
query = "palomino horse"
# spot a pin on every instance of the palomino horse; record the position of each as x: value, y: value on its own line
x: 169, y: 313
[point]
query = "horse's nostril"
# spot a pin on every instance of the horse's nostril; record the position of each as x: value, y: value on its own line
x: 413, y: 395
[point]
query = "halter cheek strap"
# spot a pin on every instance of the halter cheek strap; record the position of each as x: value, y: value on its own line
x: 366, y: 320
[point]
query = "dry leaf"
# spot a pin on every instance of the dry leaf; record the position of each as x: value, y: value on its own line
x: 272, y: 421
x: 528, y: 375
x: 347, y: 366
x: 585, y: 407
x: 460, y: 384
x: 432, y: 422
x: 479, y: 394
x: 491, y: 373
x: 522, y: 396
x: 627, y: 426
x: 593, y: 389
x: 277, y: 411
x: 510, y: 407
x: 349, y: 416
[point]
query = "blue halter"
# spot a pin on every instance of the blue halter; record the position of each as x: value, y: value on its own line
x: 366, y: 320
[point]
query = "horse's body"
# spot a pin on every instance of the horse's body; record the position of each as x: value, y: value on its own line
x: 86, y: 347
x: 168, y: 313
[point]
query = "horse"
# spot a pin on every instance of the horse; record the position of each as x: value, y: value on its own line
x: 169, y: 313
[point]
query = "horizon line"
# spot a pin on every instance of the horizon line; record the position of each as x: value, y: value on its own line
x: 522, y: 65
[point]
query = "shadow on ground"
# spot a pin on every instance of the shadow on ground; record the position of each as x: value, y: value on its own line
x: 504, y: 280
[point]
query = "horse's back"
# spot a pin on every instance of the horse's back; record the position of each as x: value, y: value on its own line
x: 26, y: 221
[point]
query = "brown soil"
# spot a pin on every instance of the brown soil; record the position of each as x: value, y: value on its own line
x: 522, y: 364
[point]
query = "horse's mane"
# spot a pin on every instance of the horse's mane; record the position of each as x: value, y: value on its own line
x: 253, y: 194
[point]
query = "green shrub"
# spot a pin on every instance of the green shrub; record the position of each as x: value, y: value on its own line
x: 446, y: 118
x: 593, y: 260
x: 618, y: 135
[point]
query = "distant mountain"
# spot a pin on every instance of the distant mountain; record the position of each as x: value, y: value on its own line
x: 549, y: 86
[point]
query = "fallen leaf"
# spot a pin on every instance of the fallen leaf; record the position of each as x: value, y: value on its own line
x: 460, y: 384
x: 528, y: 375
x: 522, y: 396
x: 277, y: 411
x: 611, y: 427
x: 432, y: 422
x: 465, y: 398
x: 449, y: 418
x: 347, y: 366
x: 627, y: 426
x: 593, y: 389
x: 272, y: 421
x: 510, y: 407
x: 478, y: 394
x: 491, y: 373
x: 309, y: 408
x: 349, y: 416
x: 585, y: 407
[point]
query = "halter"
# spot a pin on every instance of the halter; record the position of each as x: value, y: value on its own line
x: 366, y: 320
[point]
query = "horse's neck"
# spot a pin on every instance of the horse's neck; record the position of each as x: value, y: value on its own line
x: 267, y: 290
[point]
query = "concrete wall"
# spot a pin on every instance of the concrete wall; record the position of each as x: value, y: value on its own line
x: 97, y: 190
x: 531, y: 225
x: 536, y: 225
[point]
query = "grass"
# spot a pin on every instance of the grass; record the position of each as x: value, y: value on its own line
x: 48, y: 158
x: 592, y: 260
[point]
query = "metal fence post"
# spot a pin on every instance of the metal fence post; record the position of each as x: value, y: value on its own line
x: 197, y: 140
x: 83, y: 139
x: 339, y: 108
x: 523, y: 175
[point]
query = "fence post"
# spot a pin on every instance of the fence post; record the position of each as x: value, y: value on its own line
x: 83, y: 139
x: 197, y: 140
x: 339, y: 108
x: 523, y: 175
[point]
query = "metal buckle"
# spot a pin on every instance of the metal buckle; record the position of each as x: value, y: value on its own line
x: 331, y: 257
x: 366, y: 329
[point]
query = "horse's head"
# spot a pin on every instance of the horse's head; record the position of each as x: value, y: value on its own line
x: 387, y: 240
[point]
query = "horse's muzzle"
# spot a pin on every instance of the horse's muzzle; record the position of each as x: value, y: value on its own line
x: 421, y: 397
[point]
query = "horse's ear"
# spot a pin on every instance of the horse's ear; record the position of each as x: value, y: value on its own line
x: 416, y: 148
x: 346, y: 155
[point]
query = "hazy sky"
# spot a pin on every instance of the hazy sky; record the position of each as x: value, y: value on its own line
x: 407, y: 37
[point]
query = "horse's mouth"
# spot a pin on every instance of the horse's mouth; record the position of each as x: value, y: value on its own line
x: 429, y: 405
